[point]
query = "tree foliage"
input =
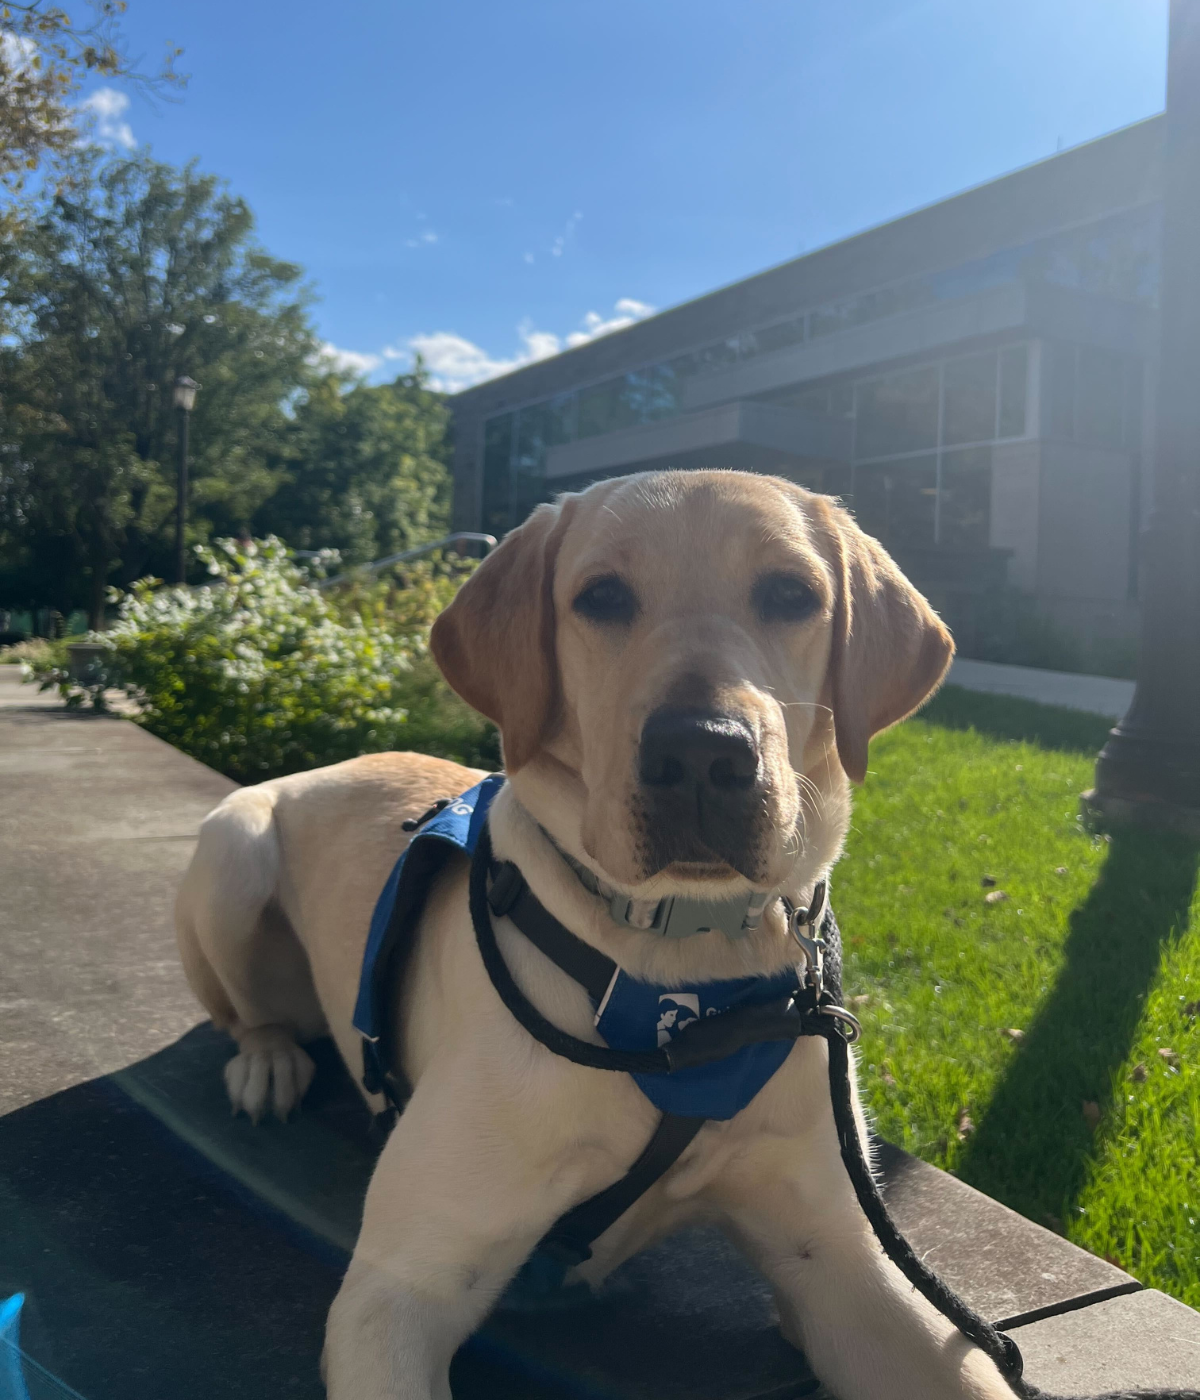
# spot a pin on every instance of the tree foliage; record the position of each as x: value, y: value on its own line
x: 261, y: 673
x: 134, y: 274
x: 44, y: 55
x: 365, y: 472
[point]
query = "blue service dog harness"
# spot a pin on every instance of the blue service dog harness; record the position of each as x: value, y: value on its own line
x: 698, y: 1052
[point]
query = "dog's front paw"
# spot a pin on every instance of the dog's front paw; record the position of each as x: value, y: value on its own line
x: 269, y: 1067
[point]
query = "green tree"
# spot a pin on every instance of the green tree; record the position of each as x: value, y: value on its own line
x: 364, y: 470
x: 133, y: 274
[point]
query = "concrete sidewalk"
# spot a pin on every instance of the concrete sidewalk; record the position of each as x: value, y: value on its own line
x: 98, y: 820
x: 169, y: 1249
x: 1098, y: 695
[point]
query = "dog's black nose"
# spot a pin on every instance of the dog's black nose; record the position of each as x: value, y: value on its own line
x: 711, y: 755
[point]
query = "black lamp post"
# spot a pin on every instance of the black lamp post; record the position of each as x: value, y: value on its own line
x: 1148, y: 774
x: 185, y: 401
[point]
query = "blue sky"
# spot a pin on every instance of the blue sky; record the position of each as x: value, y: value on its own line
x: 486, y: 179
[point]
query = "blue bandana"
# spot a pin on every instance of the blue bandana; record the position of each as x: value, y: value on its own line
x: 640, y: 1016
x: 634, y: 1015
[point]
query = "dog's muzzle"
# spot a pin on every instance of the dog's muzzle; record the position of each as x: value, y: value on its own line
x: 701, y: 786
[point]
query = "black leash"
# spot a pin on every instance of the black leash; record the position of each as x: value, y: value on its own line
x: 701, y: 1042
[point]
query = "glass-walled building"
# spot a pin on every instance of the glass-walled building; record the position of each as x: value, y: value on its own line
x: 971, y: 380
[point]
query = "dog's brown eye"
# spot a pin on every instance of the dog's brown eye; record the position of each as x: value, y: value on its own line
x: 607, y: 599
x: 783, y: 598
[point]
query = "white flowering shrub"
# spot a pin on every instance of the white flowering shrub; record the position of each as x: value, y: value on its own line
x: 261, y: 673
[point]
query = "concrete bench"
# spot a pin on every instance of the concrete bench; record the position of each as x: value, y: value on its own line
x: 167, y: 1248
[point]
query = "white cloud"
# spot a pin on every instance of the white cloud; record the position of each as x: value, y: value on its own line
x: 626, y: 312
x: 456, y: 363
x: 105, y: 109
x: 428, y: 236
x: 347, y: 361
x: 529, y: 257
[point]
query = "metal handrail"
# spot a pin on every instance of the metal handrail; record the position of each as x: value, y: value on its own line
x: 459, y: 537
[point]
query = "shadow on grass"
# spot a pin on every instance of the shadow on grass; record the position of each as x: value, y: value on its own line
x: 1006, y: 717
x: 1032, y: 1146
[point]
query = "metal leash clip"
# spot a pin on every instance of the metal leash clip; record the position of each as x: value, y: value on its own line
x: 805, y: 927
x: 804, y: 924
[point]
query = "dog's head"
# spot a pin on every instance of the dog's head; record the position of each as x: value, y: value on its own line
x: 685, y: 666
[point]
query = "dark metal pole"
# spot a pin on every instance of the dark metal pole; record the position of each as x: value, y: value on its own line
x: 1149, y: 771
x: 181, y: 496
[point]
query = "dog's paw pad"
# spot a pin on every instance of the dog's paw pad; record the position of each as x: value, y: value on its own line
x: 261, y: 1075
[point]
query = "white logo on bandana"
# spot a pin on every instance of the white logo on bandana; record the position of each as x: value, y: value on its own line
x: 676, y: 1010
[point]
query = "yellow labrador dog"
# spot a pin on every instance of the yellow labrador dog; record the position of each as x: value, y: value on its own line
x: 682, y: 604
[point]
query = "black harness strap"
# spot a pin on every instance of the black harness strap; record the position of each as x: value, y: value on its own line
x: 509, y: 896
x: 570, y: 1240
x: 519, y: 1005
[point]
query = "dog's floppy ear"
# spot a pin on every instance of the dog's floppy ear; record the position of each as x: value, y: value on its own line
x: 890, y: 649
x: 495, y: 642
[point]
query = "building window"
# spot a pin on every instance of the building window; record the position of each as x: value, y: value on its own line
x: 922, y: 475
x: 650, y: 395
x: 965, y: 499
x: 598, y: 408
x: 898, y: 413
x: 781, y: 336
x: 542, y: 426
x: 1014, y: 384
x: 969, y: 403
x: 628, y: 400
x: 497, y: 474
x: 897, y: 502
x: 720, y: 355
x: 1093, y: 396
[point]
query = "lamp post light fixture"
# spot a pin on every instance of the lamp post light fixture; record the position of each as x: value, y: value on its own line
x: 185, y: 401
x: 1148, y: 773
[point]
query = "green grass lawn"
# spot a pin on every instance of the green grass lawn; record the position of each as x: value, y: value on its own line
x: 1088, y: 1118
